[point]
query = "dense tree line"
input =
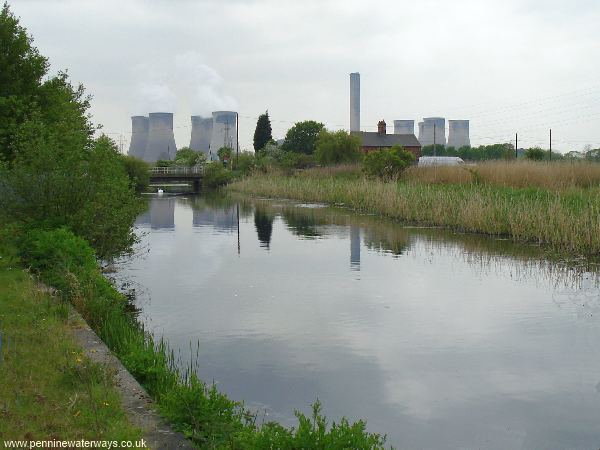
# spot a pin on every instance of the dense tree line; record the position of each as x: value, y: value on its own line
x: 53, y: 172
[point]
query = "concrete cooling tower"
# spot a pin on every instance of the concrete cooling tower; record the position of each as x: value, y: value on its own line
x: 201, y: 134
x: 428, y: 128
x: 224, y: 132
x: 458, y: 133
x: 355, y: 101
x: 139, y: 136
x: 404, y: 127
x: 161, y: 141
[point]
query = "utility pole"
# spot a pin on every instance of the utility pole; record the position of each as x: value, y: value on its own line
x: 121, y: 143
x: 550, y: 144
x: 434, y: 147
x: 516, y: 145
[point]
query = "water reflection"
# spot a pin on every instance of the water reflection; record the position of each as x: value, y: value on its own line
x: 443, y: 340
x: 264, y: 226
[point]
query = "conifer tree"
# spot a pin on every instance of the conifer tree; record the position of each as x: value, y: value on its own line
x: 263, y: 132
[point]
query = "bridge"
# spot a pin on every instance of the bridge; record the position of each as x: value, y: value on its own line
x: 191, y: 175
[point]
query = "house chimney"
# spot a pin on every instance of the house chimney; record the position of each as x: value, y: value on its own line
x: 381, y: 127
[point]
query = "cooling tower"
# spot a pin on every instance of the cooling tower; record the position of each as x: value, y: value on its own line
x: 404, y: 127
x: 458, y: 133
x: 161, y: 141
x: 426, y: 134
x: 355, y: 101
x: 139, y: 136
x: 421, y: 135
x: 201, y: 134
x: 224, y: 132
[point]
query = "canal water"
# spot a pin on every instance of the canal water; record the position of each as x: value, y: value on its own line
x: 437, y: 339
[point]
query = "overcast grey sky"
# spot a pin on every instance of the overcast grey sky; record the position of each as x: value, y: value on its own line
x: 507, y: 65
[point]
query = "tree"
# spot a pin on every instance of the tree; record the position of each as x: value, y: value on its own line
x: 263, y: 132
x: 187, y: 157
x: 302, y: 137
x: 534, y: 154
x: 137, y: 171
x: 387, y: 164
x: 54, y: 173
x: 337, y: 147
x: 224, y: 153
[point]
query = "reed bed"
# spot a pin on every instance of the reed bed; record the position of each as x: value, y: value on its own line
x: 519, y: 174
x: 568, y: 221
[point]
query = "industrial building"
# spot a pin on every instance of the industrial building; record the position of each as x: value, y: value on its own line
x: 201, y: 134
x: 430, y: 130
x: 152, y: 137
x: 139, y: 136
x: 224, y: 132
x: 458, y: 133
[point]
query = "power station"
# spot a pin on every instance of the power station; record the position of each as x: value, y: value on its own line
x: 224, y: 132
x: 152, y: 137
x: 430, y: 130
x: 201, y: 134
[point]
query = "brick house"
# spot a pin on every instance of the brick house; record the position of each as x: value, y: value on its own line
x: 371, y: 141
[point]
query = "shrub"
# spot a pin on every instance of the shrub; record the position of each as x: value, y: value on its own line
x: 137, y: 170
x: 535, y: 154
x: 216, y: 175
x: 387, y: 164
x: 337, y: 147
x: 244, y: 162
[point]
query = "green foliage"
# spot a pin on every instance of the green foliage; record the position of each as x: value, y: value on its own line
x: 137, y: 171
x: 337, y: 147
x: 20, y: 80
x: 187, y: 157
x: 387, y: 164
x: 302, y: 137
x: 224, y: 153
x: 535, y: 154
x: 481, y: 153
x: 164, y: 163
x: 263, y: 133
x: 216, y: 175
x: 52, y: 184
x: 244, y: 163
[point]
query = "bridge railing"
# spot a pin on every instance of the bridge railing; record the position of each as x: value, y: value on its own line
x: 177, y: 170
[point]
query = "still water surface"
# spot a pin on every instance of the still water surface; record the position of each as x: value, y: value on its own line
x: 438, y: 339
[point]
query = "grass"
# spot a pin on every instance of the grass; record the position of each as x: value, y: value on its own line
x: 518, y: 174
x: 566, y: 218
x: 49, y: 389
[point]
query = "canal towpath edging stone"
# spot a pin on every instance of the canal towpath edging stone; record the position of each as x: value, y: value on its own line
x: 137, y: 404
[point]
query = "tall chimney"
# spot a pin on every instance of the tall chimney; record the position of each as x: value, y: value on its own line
x: 201, y: 134
x: 355, y: 101
x: 139, y: 136
x: 381, y: 127
x: 161, y: 141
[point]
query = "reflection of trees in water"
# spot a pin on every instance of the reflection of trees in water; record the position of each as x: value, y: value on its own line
x: 303, y: 221
x: 382, y: 237
x: 263, y: 221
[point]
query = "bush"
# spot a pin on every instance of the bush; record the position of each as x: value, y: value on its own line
x: 387, y: 164
x: 244, y: 162
x: 337, y: 147
x: 137, y: 171
x: 535, y: 154
x: 216, y: 175
x: 187, y: 157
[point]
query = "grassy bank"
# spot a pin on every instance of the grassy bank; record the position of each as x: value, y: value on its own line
x: 49, y: 389
x: 566, y: 218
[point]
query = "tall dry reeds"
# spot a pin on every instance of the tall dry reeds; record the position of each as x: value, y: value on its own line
x: 567, y: 220
x: 519, y: 174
